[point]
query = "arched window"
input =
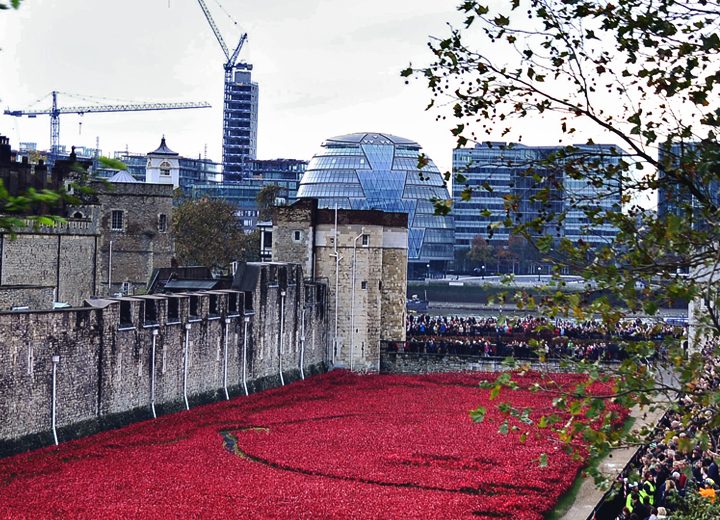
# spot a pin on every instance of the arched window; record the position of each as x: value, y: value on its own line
x: 165, y: 169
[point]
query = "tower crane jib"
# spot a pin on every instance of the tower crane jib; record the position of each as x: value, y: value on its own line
x: 55, y: 111
x: 228, y: 66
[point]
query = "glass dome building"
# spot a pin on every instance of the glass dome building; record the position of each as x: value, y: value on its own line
x: 380, y: 171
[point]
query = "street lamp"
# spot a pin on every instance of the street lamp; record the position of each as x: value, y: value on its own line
x: 539, y: 269
x: 428, y: 270
x: 482, y: 274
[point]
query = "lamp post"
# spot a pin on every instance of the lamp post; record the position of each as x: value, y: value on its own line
x: 539, y: 269
x: 428, y: 270
x: 482, y: 273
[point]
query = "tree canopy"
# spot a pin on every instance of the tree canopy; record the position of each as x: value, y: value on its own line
x: 267, y: 198
x: 208, y: 233
x: 642, y: 75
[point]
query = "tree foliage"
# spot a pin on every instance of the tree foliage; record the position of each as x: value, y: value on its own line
x: 481, y: 252
x: 267, y: 198
x: 13, y: 3
x: 208, y: 233
x: 113, y: 164
x: 642, y: 75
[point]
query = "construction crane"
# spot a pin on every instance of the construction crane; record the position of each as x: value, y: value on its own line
x: 55, y: 111
x: 229, y: 65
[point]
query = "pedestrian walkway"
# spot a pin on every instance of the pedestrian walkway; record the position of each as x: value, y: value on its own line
x: 589, y: 495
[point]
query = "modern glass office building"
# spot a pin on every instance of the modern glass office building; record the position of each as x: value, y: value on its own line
x: 499, y: 172
x: 283, y: 173
x: 380, y: 171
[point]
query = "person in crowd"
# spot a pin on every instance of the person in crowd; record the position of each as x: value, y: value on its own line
x: 512, y: 336
x: 708, y: 490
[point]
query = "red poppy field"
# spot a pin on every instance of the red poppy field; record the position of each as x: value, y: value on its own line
x: 334, y: 446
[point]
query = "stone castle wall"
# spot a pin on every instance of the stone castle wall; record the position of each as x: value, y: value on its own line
x: 141, y: 245
x: 371, y: 273
x: 74, y: 256
x: 111, y: 356
x: 62, y: 257
x: 426, y: 363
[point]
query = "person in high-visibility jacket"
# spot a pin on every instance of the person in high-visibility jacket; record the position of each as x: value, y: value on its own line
x: 647, y: 490
x: 632, y: 496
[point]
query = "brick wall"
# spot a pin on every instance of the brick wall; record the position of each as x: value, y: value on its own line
x: 104, y: 373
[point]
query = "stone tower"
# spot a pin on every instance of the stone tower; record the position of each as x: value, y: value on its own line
x: 363, y: 256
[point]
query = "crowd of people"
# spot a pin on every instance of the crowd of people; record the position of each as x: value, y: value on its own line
x: 637, y: 329
x: 681, y: 463
x: 529, y: 337
x: 683, y: 460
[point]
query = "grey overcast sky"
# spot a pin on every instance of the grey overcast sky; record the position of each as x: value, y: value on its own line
x: 325, y: 67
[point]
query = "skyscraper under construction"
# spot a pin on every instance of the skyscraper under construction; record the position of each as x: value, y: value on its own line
x: 240, y: 122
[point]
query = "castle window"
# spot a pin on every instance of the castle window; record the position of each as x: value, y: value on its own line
x: 297, y: 235
x: 126, y: 321
x: 213, y: 305
x: 117, y: 220
x: 194, y: 308
x: 162, y: 223
x: 233, y: 303
x: 365, y: 240
x: 173, y: 310
x: 363, y: 284
x: 150, y: 313
x: 165, y: 169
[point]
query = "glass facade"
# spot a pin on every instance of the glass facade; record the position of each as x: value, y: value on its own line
x: 674, y: 197
x: 380, y: 171
x: 499, y: 172
x: 285, y: 173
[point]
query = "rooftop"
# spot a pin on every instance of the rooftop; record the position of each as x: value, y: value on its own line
x: 370, y: 138
x: 163, y: 149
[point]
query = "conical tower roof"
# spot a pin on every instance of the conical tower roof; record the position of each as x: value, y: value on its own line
x: 163, y: 149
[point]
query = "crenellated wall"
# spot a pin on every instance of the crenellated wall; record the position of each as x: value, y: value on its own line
x: 113, y: 357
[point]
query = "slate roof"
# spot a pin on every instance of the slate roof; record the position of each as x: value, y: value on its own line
x: 163, y: 149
